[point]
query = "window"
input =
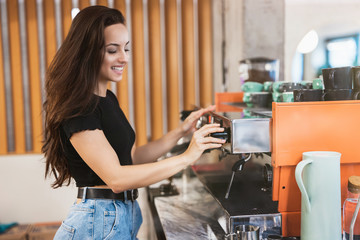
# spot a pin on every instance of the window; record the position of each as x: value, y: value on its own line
x: 342, y: 51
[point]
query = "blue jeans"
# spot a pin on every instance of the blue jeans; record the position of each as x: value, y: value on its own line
x: 101, y: 219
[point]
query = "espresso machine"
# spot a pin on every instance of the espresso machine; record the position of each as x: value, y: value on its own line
x: 240, y: 184
x: 252, y: 176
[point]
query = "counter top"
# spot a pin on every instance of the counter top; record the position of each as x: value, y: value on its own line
x: 192, y: 214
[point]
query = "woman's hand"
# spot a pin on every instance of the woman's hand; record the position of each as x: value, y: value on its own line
x: 190, y: 122
x: 202, y: 141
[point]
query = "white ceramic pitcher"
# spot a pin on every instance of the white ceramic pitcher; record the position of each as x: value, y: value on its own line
x: 318, y: 177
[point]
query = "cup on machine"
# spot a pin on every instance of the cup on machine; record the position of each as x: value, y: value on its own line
x: 318, y: 83
x: 306, y: 84
x: 337, y: 78
x: 308, y: 95
x: 287, y: 97
x: 252, y: 87
x: 337, y: 94
x: 355, y: 75
x: 268, y: 86
x: 289, y: 87
x: 260, y: 99
x: 276, y: 96
x: 247, y: 98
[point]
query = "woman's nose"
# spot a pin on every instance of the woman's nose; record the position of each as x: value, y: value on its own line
x: 124, y: 57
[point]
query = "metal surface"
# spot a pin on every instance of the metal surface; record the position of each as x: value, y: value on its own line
x: 247, y: 135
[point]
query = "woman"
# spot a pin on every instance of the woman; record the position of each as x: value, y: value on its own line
x: 88, y: 138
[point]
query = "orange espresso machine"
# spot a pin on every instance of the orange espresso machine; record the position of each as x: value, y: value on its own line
x: 294, y: 128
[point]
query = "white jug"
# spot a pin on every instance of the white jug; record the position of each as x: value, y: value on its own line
x: 318, y: 178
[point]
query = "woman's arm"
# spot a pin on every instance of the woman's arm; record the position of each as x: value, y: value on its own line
x: 98, y: 154
x: 151, y: 151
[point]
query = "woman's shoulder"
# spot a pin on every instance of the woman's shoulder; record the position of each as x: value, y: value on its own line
x: 111, y: 95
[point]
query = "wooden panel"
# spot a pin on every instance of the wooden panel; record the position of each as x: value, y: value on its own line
x: 122, y: 86
x: 3, y: 127
x: 66, y: 8
x: 172, y: 74
x: 155, y: 69
x: 205, y: 53
x: 138, y: 70
x: 102, y: 2
x: 50, y: 32
x: 171, y: 47
x: 16, y: 78
x: 84, y: 3
x: 34, y: 75
x: 188, y: 53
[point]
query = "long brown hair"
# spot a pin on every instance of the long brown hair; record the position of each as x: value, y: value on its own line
x: 71, y: 81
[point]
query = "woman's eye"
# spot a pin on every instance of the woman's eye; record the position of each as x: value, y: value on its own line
x: 127, y: 50
x: 111, y: 51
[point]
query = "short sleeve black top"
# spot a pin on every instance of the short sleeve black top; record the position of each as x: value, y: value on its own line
x: 109, y: 118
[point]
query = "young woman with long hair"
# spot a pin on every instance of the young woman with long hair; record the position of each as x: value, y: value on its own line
x: 88, y: 138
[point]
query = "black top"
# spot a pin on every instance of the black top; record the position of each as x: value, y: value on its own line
x: 109, y: 118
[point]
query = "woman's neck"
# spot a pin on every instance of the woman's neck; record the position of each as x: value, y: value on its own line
x: 101, y: 90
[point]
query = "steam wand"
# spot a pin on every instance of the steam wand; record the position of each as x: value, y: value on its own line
x: 237, y: 167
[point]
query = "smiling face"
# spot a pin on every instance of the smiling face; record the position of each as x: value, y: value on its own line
x: 116, y: 55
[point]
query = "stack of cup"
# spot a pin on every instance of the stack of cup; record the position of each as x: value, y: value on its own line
x: 337, y: 83
x: 284, y: 91
x: 254, y: 96
x: 309, y: 94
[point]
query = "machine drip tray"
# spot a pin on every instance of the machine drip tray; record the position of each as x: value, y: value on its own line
x: 248, y: 194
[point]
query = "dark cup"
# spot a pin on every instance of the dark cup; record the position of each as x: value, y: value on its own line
x: 308, y: 95
x: 337, y: 78
x: 355, y: 75
x: 337, y: 94
x: 355, y: 94
x: 289, y: 86
x: 261, y: 99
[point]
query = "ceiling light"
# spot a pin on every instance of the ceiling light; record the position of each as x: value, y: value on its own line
x: 308, y: 43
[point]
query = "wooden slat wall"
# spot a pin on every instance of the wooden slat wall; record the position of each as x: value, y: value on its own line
x: 188, y: 53
x: 172, y: 80
x: 155, y: 63
x: 162, y: 58
x: 122, y: 87
x: 84, y: 3
x: 66, y: 16
x: 102, y: 2
x: 16, y: 78
x: 205, y: 52
x: 34, y: 74
x: 3, y: 128
x: 137, y: 22
x: 50, y: 32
